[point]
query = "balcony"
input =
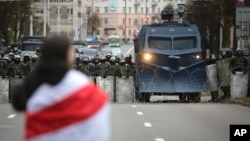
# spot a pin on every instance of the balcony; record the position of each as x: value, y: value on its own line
x: 154, y: 3
x: 137, y: 3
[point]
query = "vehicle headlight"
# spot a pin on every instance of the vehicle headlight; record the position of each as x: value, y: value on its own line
x: 147, y: 57
x: 197, y: 56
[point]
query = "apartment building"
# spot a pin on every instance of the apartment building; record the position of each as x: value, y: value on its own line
x: 121, y: 17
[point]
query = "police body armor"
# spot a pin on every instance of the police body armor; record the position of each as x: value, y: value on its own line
x: 103, y: 69
x: 3, y: 68
x: 16, y: 70
x: 87, y: 69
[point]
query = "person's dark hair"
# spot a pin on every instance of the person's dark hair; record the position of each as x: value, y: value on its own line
x: 55, y: 49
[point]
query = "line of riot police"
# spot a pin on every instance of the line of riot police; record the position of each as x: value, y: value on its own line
x: 220, y: 71
x: 105, y: 65
x: 15, y: 65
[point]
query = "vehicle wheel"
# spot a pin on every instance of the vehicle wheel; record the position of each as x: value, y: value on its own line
x: 182, y: 97
x: 144, y: 97
x: 194, y: 97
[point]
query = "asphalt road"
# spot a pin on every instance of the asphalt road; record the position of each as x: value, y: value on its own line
x: 153, y: 121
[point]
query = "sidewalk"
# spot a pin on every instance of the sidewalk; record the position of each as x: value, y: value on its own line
x: 234, y: 101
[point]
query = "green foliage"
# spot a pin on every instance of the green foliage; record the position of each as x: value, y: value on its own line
x: 244, y: 99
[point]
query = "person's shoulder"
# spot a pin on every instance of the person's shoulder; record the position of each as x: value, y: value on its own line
x: 76, y: 76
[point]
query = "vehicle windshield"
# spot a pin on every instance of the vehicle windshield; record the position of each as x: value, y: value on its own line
x: 183, y: 43
x: 114, y: 40
x: 161, y: 43
x: 179, y: 43
x: 30, y: 47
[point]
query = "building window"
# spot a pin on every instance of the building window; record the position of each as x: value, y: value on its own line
x: 135, y: 22
x: 123, y: 32
x: 97, y: 9
x: 123, y: 9
x: 129, y: 32
x: 159, y: 10
x: 146, y: 9
x: 106, y: 20
x: 89, y: 10
x: 106, y: 32
x: 141, y: 10
x: 129, y: 21
x: 129, y: 9
x: 97, y: 32
x: 106, y: 9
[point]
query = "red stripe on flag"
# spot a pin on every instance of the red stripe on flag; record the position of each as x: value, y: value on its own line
x: 77, y: 107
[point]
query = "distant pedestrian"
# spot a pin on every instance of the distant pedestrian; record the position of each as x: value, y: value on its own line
x: 60, y: 103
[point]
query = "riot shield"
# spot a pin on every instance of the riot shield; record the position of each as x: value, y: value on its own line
x: 239, y: 84
x: 212, y: 77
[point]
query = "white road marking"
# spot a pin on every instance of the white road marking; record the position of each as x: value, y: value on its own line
x: 11, y: 116
x: 139, y: 113
x: 128, y: 52
x: 159, y: 139
x: 147, y: 124
x: 133, y: 106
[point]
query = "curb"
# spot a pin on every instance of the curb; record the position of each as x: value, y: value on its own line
x: 231, y: 101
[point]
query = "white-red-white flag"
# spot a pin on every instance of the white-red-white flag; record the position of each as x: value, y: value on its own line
x: 73, y: 110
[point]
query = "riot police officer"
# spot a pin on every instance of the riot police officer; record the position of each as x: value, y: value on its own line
x: 86, y: 66
x: 239, y: 63
x: 103, y: 67
x: 212, y: 77
x: 3, y: 66
x: 224, y: 72
x: 129, y: 65
x: 33, y: 63
x: 122, y: 67
x: 114, y: 66
x: 108, y: 56
x: 26, y: 63
x: 16, y: 68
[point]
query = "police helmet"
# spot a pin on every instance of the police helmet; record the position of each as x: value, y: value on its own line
x: 85, y: 59
x: 11, y: 54
x: 121, y: 60
x: 239, y: 52
x: 17, y: 58
x: 128, y: 57
x: 102, y: 58
x: 118, y: 57
x: 26, y: 58
x: 108, y: 56
x: 34, y: 58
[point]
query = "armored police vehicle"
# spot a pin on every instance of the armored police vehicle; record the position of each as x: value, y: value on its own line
x: 30, y: 45
x: 169, y: 60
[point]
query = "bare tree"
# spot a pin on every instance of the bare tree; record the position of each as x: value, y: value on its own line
x: 94, y: 22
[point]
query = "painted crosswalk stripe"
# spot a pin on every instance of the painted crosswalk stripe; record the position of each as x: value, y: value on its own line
x: 11, y: 116
x: 133, y: 106
x: 159, y: 139
x: 147, y: 124
x: 139, y: 113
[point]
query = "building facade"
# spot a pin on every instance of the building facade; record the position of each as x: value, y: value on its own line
x: 121, y: 17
